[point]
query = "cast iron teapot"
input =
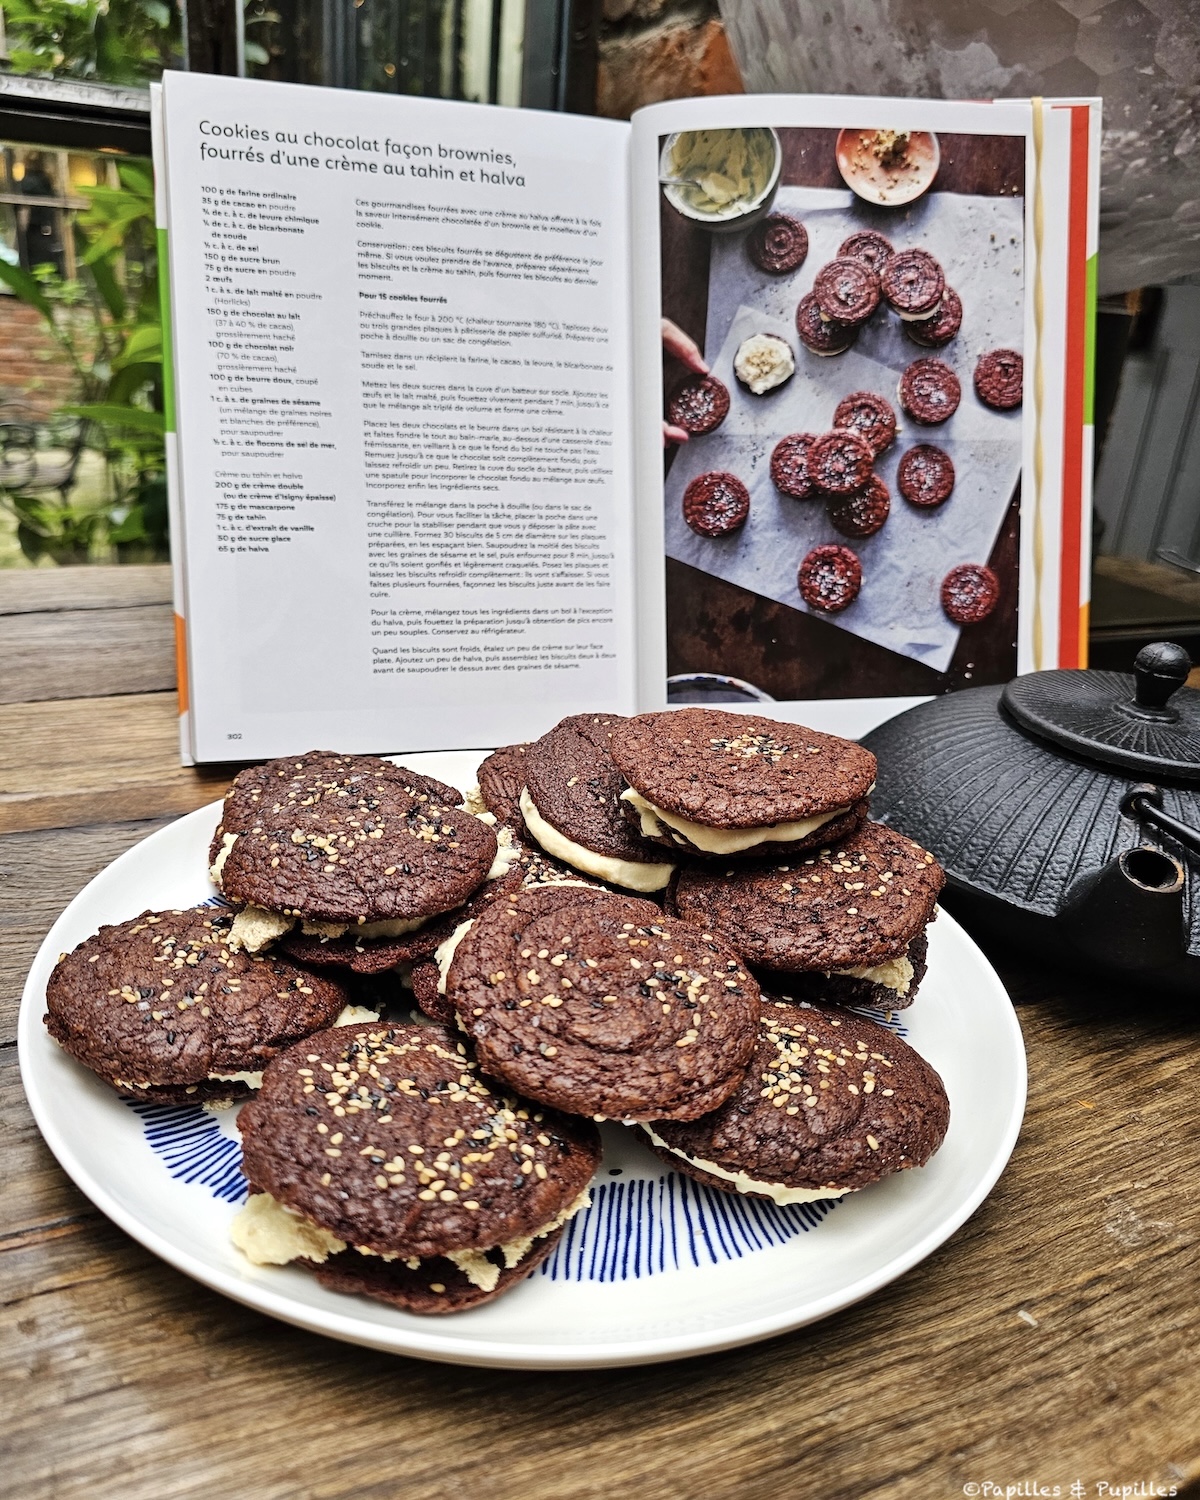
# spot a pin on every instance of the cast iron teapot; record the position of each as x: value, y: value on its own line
x: 1065, y: 808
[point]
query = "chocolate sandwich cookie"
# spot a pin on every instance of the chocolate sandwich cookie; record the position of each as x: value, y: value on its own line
x: 829, y: 578
x: 925, y: 476
x: 380, y: 1150
x: 434, y: 1286
x: 571, y: 805
x: 843, y: 922
x: 929, y: 391
x: 727, y: 785
x: 864, y: 512
x: 763, y: 363
x: 969, y: 593
x: 599, y: 1005
x: 376, y: 955
x: 913, y: 283
x: 831, y: 1103
x: 716, y: 504
x: 698, y: 404
x: 789, y: 466
x: 1000, y: 379
x: 870, y: 416
x: 867, y: 245
x: 821, y: 335
x: 501, y: 777
x: 937, y: 331
x: 164, y: 1009
x: 344, y: 842
x: 839, y: 462
x: 419, y: 953
x: 847, y: 290
x: 777, y: 244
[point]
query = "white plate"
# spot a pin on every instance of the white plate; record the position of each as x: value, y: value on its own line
x: 659, y: 1267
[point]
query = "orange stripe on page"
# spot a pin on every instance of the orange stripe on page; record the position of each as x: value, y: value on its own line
x: 181, y: 673
x: 1070, y: 653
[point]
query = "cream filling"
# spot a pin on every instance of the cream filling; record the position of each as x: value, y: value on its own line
x: 351, y: 1015
x: 507, y: 853
x: 444, y: 952
x: 721, y: 840
x: 632, y: 874
x: 763, y: 362
x: 893, y: 973
x: 474, y: 803
x: 484, y: 1273
x: 919, y: 317
x: 227, y: 842
x: 746, y: 1184
x: 245, y: 1076
x: 386, y: 927
x: 270, y: 1234
x: 253, y: 928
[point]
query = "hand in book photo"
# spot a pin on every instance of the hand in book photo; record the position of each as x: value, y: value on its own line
x: 687, y: 351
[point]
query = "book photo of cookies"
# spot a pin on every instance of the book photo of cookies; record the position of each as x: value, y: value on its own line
x: 898, y: 406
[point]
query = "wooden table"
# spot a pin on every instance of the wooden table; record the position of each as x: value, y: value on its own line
x: 1052, y: 1340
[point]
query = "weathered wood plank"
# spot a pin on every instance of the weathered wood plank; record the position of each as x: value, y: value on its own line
x: 932, y: 1383
x: 37, y: 1199
x: 93, y: 760
x: 28, y: 590
x: 92, y: 653
x: 39, y: 873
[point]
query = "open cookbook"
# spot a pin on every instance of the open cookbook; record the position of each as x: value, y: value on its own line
x: 481, y: 417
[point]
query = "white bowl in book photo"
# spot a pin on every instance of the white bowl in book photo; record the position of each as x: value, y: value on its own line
x: 725, y: 179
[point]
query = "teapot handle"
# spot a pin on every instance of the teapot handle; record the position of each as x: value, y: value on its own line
x: 1145, y: 804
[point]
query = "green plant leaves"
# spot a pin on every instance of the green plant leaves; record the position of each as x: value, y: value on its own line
x: 143, y: 346
x: 27, y: 288
x: 119, y: 416
x: 107, y: 325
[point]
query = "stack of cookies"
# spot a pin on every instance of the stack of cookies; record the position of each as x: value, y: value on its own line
x: 756, y: 837
x: 591, y: 933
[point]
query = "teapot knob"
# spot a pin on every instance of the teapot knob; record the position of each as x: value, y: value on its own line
x: 1160, y: 670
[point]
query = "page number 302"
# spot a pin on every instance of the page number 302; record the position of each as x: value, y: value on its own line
x: 233, y: 736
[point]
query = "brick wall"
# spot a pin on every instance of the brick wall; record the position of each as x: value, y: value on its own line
x: 33, y: 374
x: 652, y: 50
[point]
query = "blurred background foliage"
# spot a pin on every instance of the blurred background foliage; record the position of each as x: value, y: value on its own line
x: 105, y: 323
x: 118, y: 41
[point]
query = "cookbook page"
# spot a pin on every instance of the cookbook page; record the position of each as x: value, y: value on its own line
x: 835, y: 400
x: 402, y: 403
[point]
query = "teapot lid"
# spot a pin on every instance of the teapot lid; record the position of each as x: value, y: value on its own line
x: 1121, y: 720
